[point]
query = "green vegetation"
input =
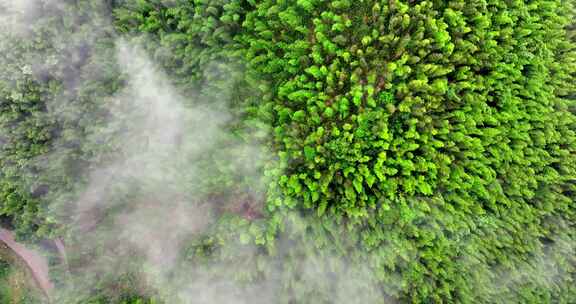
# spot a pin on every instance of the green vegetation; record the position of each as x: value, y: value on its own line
x: 470, y: 166
x: 56, y: 105
x: 429, y: 145
x: 16, y: 286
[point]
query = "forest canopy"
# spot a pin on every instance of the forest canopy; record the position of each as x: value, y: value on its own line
x: 293, y: 151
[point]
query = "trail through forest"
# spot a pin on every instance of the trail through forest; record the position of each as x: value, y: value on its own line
x: 36, y: 262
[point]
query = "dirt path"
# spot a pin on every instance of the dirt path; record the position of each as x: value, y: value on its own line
x: 37, y: 263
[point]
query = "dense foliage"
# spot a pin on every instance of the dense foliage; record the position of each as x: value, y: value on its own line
x: 54, y: 81
x: 466, y: 170
x: 427, y: 146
